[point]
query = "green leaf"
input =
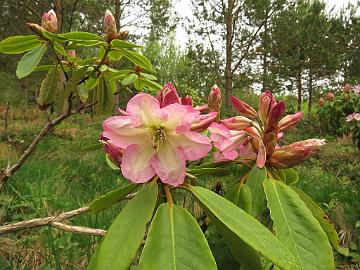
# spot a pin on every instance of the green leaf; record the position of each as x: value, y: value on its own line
x: 129, y: 79
x: 110, y: 198
x: 49, y: 89
x: 75, y: 45
x: 137, y: 58
x: 291, y: 176
x: 92, y: 82
x: 43, y: 68
x: 119, y: 74
x: 81, y: 36
x: 175, y: 242
x: 255, y: 181
x: 152, y: 84
x: 58, y: 48
x: 29, y: 61
x: 115, y: 55
x: 247, y: 257
x: 240, y: 195
x: 93, y: 261
x: 126, y: 233
x: 105, y: 95
x: 209, y: 171
x: 245, y: 227
x: 111, y: 164
x: 94, y: 146
x: 52, y: 36
x: 19, y: 44
x: 321, y: 217
x: 139, y: 84
x: 120, y: 44
x: 296, y: 227
x: 83, y: 93
x: 148, y: 76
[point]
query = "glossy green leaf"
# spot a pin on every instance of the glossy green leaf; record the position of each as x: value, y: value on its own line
x: 43, y: 68
x: 126, y: 233
x: 255, y: 181
x: 240, y: 195
x: 129, y: 79
x: 321, y: 217
x: 245, y: 227
x: 121, y: 44
x: 151, y: 84
x: 247, y: 257
x: 49, y: 89
x: 120, y: 74
x: 291, y: 176
x: 19, y: 44
x: 52, y: 36
x: 175, y: 242
x: 83, y: 92
x: 111, y: 164
x: 139, y: 84
x: 92, y: 82
x: 137, y: 58
x: 296, y: 227
x: 81, y: 36
x: 110, y: 198
x: 209, y: 171
x: 29, y: 61
x: 75, y: 45
x: 148, y: 76
x: 59, y: 49
x: 93, y: 261
x: 115, y: 55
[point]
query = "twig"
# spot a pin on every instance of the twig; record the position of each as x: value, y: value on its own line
x: 54, y: 221
x: 5, y: 174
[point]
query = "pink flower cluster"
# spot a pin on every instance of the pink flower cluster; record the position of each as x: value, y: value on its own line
x: 156, y: 136
x: 254, y: 135
x: 353, y: 117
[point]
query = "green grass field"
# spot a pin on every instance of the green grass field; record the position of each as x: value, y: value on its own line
x: 60, y: 176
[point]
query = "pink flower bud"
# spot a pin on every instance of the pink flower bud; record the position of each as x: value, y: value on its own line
x: 237, y: 122
x: 37, y: 29
x: 353, y: 117
x: 113, y: 152
x: 214, y: 99
x: 187, y: 100
x: 266, y: 103
x: 243, y: 108
x: 330, y: 96
x: 347, y: 88
x: 167, y: 95
x: 321, y: 101
x: 357, y: 89
x: 295, y: 153
x: 289, y: 121
x: 110, y: 26
x: 49, y: 21
x: 203, y: 121
x: 71, y: 53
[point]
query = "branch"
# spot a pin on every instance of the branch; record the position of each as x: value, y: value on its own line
x: 6, y: 173
x: 72, y: 15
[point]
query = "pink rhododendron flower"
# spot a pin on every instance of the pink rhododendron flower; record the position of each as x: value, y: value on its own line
x: 114, y: 152
x: 290, y: 121
x: 321, y: 101
x: 266, y: 103
x: 353, y: 117
x: 357, y: 89
x: 168, y: 95
x: 49, y: 21
x: 187, y: 100
x: 155, y: 140
x: 330, y: 96
x: 347, y: 88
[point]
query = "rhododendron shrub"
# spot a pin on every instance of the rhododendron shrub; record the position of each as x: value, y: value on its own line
x: 167, y: 150
x: 338, y: 115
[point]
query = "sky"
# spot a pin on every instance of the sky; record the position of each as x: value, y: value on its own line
x: 184, y: 9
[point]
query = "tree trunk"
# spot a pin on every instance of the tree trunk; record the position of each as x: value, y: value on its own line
x: 310, y: 91
x: 299, y: 90
x: 228, y: 59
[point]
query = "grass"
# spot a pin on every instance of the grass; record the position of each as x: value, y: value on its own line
x: 60, y: 176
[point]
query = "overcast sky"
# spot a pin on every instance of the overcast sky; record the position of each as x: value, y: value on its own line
x: 183, y: 9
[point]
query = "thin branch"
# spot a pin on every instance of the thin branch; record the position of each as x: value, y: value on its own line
x: 6, y: 173
x: 72, y: 15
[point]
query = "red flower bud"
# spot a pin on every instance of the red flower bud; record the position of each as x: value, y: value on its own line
x: 289, y: 121
x: 71, y: 53
x: 266, y: 103
x: 49, y: 21
x: 167, y: 95
x: 347, y: 88
x: 330, y: 96
x: 295, y: 153
x: 243, y: 108
x: 113, y: 152
x: 214, y: 99
x: 321, y: 101
x: 237, y: 122
x: 187, y: 100
x: 110, y: 26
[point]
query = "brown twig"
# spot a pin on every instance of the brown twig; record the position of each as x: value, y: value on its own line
x: 6, y: 173
x: 54, y: 221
